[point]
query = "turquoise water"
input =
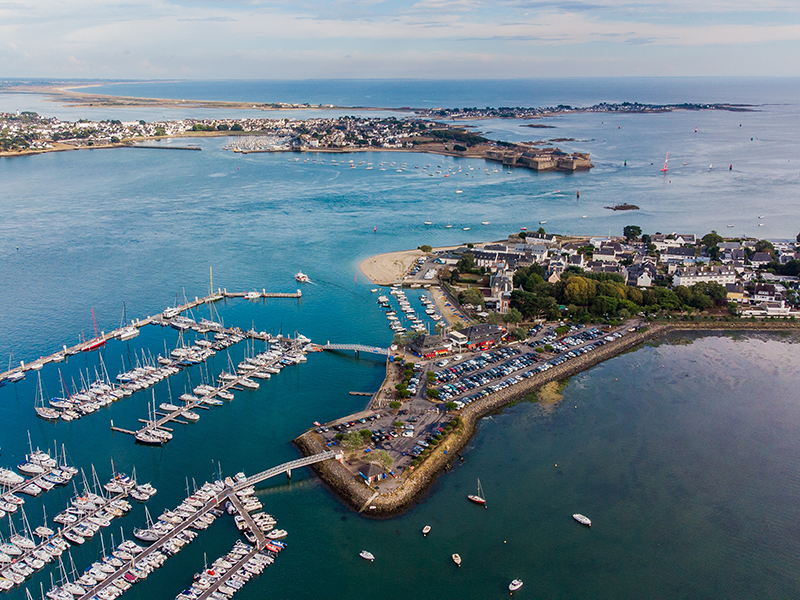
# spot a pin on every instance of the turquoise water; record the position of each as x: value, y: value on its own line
x: 683, y: 455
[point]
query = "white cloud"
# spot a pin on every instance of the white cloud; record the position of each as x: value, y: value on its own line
x: 181, y: 38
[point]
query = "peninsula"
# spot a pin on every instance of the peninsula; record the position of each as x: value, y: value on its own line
x: 531, y: 319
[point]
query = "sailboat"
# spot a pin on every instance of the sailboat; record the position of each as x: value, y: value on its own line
x: 478, y: 498
x: 126, y: 332
x: 97, y: 342
x: 42, y: 411
x: 664, y: 169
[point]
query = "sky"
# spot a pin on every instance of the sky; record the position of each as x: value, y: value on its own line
x: 437, y: 39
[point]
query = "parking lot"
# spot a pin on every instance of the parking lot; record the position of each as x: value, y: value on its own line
x: 462, y: 379
x: 478, y: 376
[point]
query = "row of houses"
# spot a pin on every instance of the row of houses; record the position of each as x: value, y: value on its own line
x: 679, y: 256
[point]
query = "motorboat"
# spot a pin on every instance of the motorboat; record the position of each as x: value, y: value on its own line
x: 301, y: 277
x: 582, y: 519
x: 367, y: 555
x: 457, y: 559
x: 515, y: 585
x: 252, y: 295
x: 426, y: 530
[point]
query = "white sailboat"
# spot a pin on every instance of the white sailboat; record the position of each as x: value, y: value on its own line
x: 42, y: 411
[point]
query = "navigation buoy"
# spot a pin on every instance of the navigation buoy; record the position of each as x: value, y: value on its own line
x: 579, y: 193
x: 730, y: 168
x: 695, y: 129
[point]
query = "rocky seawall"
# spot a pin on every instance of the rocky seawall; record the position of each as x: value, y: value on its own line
x: 364, y: 498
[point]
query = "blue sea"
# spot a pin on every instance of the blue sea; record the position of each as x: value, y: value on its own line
x: 683, y: 452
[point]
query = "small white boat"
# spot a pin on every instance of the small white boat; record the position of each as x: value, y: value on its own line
x: 466, y: 228
x: 448, y: 226
x: 428, y: 223
x: 366, y: 555
x: 459, y: 192
x: 302, y: 277
x: 253, y: 295
x: 542, y: 222
x: 426, y: 530
x: 515, y: 585
x: 582, y: 520
x: 484, y: 222
x: 457, y: 559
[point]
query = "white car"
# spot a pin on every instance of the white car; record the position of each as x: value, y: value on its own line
x: 408, y: 433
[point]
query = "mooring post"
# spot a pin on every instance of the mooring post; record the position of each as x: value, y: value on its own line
x: 289, y: 474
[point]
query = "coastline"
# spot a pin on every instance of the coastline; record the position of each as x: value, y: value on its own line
x: 363, y: 498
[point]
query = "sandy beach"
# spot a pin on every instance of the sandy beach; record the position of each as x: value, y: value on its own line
x: 387, y: 269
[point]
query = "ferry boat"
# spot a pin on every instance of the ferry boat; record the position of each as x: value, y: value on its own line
x: 582, y: 520
x: 302, y: 277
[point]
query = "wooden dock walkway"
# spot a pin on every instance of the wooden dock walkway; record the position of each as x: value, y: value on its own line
x: 217, y: 501
x: 230, y: 573
x: 158, y: 319
x: 200, y: 402
x: 66, y: 528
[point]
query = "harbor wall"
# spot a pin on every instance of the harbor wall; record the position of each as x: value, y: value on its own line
x: 361, y: 497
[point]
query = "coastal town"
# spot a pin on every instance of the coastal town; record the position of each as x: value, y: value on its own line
x: 29, y: 133
x: 603, y: 107
x: 523, y: 315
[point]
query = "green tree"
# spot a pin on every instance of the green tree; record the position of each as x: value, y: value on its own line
x: 712, y: 239
x: 495, y: 318
x: 426, y: 248
x: 513, y: 316
x: 365, y: 434
x: 765, y: 246
x: 433, y: 393
x: 395, y: 404
x: 631, y: 232
x: 466, y: 263
x: 431, y: 376
x: 382, y: 458
x: 451, y: 406
x: 353, y: 440
x: 237, y: 127
x: 474, y: 297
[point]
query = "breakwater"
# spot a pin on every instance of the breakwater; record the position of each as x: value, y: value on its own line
x: 361, y: 496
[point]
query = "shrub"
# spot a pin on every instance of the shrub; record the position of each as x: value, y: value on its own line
x: 339, y: 437
x: 365, y: 433
x: 397, y: 424
x: 451, y: 406
x: 433, y: 393
x: 431, y: 376
x: 395, y: 404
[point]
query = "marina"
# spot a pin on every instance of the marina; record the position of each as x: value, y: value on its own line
x: 210, y: 497
x: 154, y: 432
x: 164, y: 319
